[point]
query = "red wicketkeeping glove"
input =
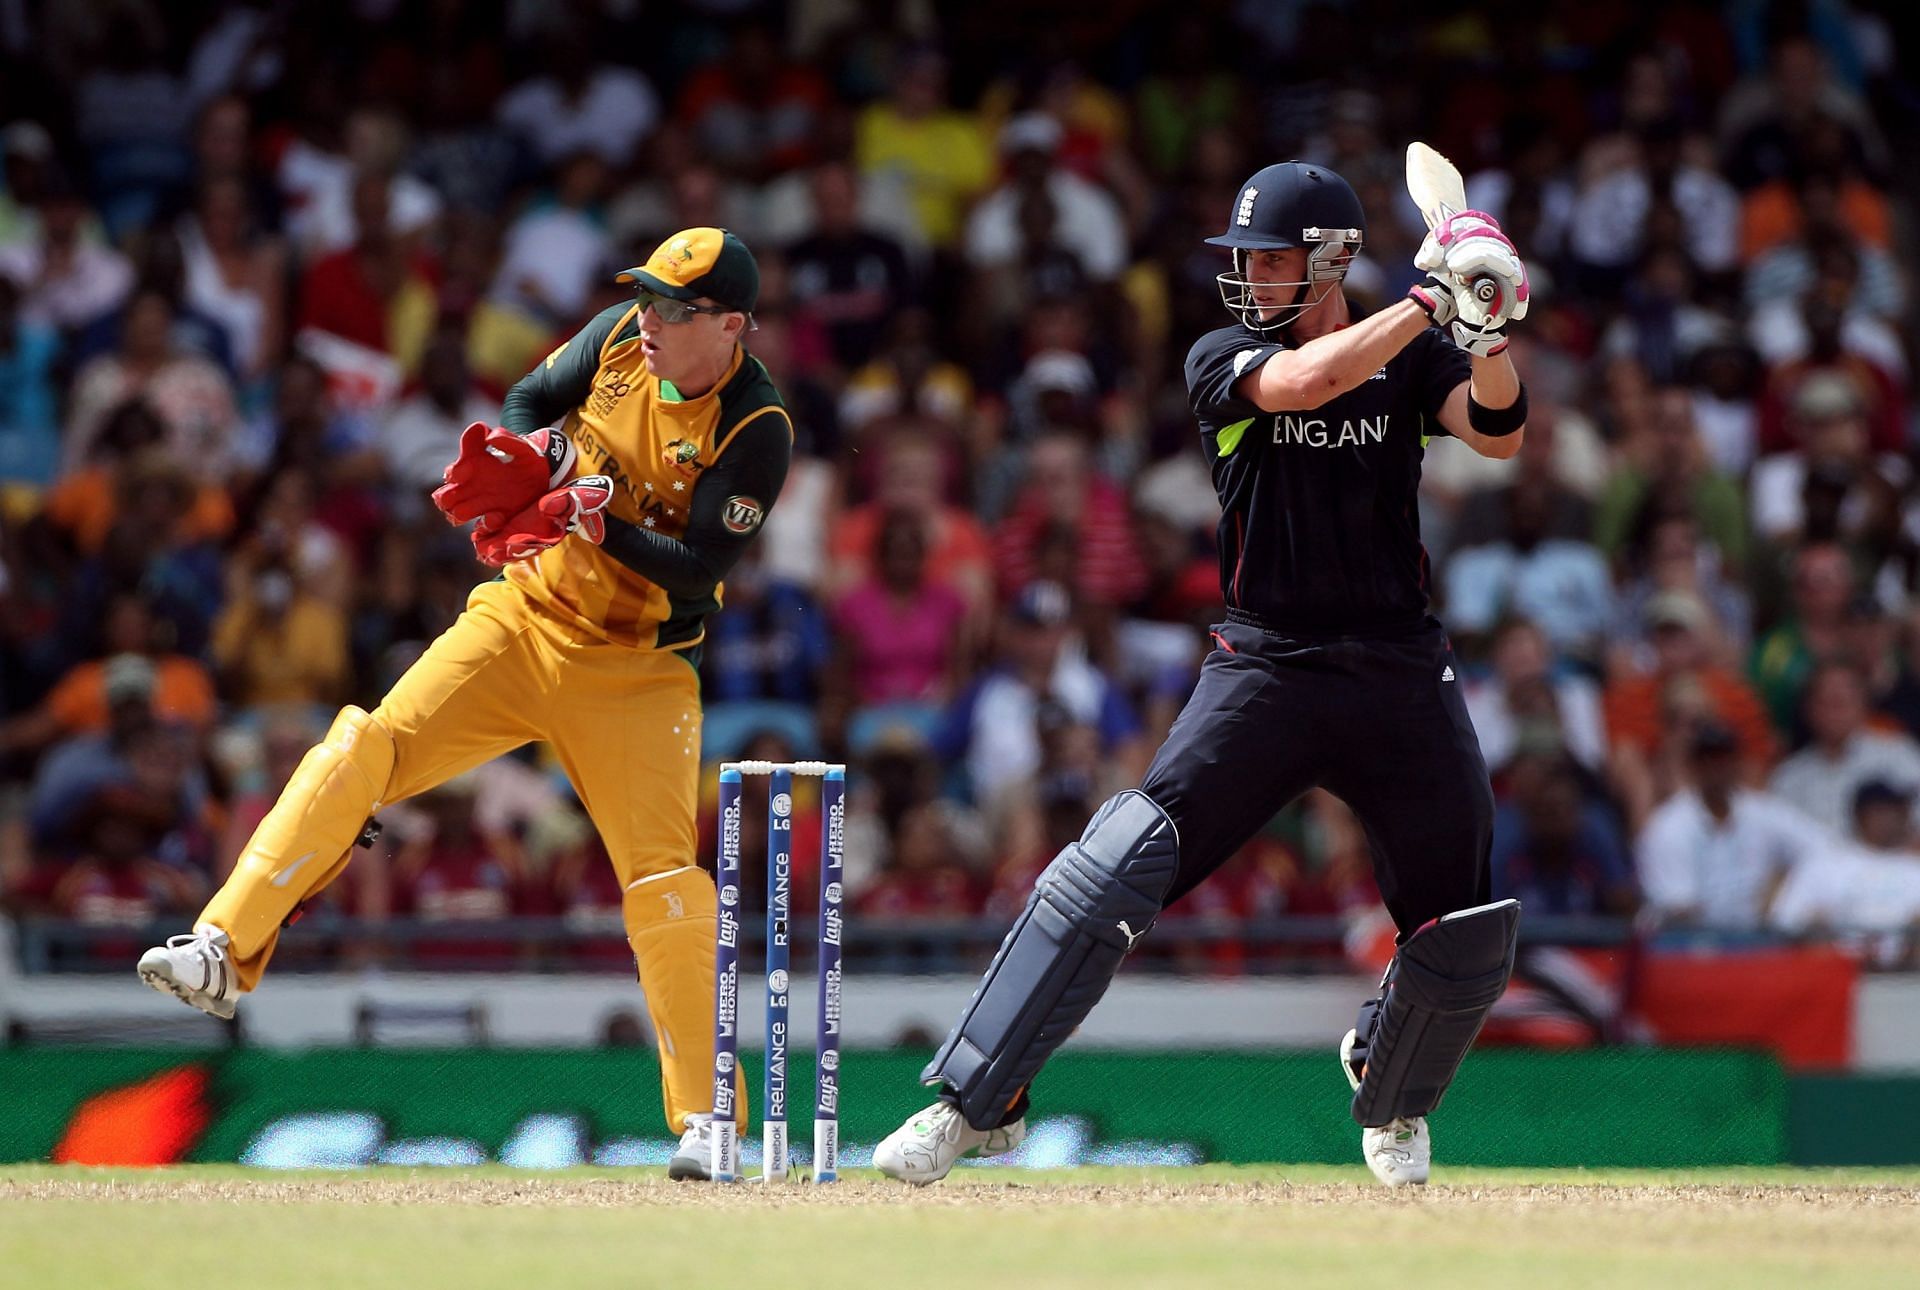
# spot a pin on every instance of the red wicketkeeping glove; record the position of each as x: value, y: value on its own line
x: 575, y: 507
x: 499, y: 473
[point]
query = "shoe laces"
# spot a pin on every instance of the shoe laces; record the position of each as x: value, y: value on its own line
x: 201, y: 941
x: 945, y: 1118
x: 1398, y: 1139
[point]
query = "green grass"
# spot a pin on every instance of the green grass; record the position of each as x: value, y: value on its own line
x: 1214, y: 1226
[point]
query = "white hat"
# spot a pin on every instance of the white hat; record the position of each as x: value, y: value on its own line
x: 1035, y: 131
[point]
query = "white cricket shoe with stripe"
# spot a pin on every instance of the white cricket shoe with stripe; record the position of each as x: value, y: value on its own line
x: 194, y: 968
x: 1400, y: 1152
x: 693, y: 1159
x: 925, y: 1148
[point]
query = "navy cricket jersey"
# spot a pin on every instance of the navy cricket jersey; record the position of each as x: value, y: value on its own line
x: 1320, y: 525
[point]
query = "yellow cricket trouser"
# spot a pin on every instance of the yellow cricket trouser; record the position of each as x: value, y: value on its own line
x: 626, y: 726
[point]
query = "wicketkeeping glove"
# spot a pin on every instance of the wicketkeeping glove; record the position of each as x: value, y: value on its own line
x: 499, y: 473
x: 576, y: 507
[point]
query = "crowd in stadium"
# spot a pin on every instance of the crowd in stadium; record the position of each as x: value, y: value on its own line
x: 260, y: 263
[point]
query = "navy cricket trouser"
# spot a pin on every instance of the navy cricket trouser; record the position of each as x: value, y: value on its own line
x: 1377, y: 721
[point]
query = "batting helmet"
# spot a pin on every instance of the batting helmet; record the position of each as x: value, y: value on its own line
x: 1293, y: 203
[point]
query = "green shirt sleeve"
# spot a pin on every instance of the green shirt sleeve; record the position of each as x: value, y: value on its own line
x: 730, y: 503
x: 563, y: 380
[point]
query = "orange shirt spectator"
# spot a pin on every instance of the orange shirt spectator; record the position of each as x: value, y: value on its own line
x: 182, y: 694
x: 1773, y: 216
x: 1639, y: 709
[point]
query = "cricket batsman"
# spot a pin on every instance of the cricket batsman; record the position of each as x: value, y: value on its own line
x: 1329, y: 670
x: 613, y: 532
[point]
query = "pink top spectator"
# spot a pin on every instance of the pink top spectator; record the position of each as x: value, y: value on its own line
x: 902, y: 652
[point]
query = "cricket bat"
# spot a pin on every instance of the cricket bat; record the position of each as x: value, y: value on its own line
x: 1435, y: 185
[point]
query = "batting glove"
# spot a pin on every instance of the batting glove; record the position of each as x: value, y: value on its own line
x: 499, y: 473
x: 579, y: 507
x: 1435, y: 298
x: 1492, y: 279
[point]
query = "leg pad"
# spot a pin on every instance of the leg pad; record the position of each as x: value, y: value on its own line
x: 1096, y: 899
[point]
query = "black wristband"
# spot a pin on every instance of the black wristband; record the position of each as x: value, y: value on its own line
x: 1496, y: 423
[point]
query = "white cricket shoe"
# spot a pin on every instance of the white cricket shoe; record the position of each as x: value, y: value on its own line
x: 196, y: 969
x: 693, y: 1160
x: 1400, y: 1152
x: 924, y: 1149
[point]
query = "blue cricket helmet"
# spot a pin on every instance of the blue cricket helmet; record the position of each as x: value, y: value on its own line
x: 1290, y: 204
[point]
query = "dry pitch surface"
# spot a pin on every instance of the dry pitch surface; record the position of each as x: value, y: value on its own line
x: 1216, y: 1226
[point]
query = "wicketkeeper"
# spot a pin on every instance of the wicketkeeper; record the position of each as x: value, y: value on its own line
x: 613, y: 532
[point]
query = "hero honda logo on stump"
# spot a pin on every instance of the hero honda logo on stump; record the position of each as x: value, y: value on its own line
x: 724, y: 1162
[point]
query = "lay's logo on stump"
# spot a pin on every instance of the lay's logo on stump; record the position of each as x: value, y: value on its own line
x: 742, y: 514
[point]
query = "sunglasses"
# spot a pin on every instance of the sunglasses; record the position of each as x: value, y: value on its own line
x: 673, y: 312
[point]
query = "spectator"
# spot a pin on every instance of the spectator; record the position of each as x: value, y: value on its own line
x: 1831, y: 487
x: 1713, y: 854
x: 994, y: 726
x: 1873, y: 887
x: 114, y: 879
x: 29, y: 426
x: 1663, y: 325
x: 155, y: 533
x: 912, y: 483
x: 1827, y: 363
x: 446, y: 870
x: 1664, y: 468
x: 771, y: 644
x: 1763, y: 114
x: 1527, y: 691
x: 78, y: 703
x: 941, y: 155
x: 849, y: 276
x: 335, y: 201
x: 131, y: 113
x: 1654, y: 182
x: 1827, y: 275
x: 1650, y: 713
x: 1530, y: 567
x: 377, y: 294
x: 927, y: 876
x: 907, y: 379
x: 1785, y: 657
x: 559, y: 250
x: 751, y: 109
x: 1846, y: 753
x: 235, y: 276
x: 422, y: 432
x: 902, y: 636
x: 1188, y: 94
x: 1083, y: 218
x: 276, y: 643
x: 1065, y: 502
x: 191, y: 396
x: 137, y: 767
x: 1556, y: 852
x: 26, y: 165
x: 1670, y: 556
x: 1823, y: 169
x: 66, y: 281
x: 581, y: 102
